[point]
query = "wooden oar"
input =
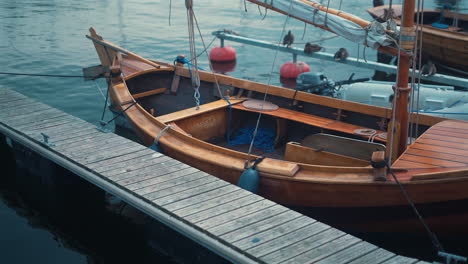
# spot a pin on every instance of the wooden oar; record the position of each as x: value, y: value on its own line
x: 94, y: 37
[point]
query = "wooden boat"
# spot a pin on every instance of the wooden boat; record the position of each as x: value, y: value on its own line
x: 321, y: 158
x: 445, y: 46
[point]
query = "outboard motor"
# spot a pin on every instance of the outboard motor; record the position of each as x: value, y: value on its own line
x: 315, y: 82
x: 318, y: 83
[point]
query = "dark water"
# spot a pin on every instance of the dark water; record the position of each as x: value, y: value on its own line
x: 38, y: 36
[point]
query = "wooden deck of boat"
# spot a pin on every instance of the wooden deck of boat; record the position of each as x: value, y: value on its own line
x: 444, y: 145
x: 233, y: 223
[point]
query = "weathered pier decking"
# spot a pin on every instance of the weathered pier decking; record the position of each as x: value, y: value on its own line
x: 233, y: 223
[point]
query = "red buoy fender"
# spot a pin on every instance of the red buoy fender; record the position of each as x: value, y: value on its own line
x: 291, y: 70
x: 223, y: 54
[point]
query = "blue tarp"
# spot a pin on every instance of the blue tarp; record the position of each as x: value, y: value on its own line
x: 264, y: 140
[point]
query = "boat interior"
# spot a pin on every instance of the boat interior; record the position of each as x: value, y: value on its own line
x: 456, y: 22
x: 288, y: 130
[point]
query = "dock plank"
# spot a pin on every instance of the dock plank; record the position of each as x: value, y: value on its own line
x: 165, y: 176
x: 288, y: 251
x: 166, y: 183
x: 349, y: 254
x: 195, y: 199
x: 254, y: 223
x: 69, y: 145
x: 24, y: 110
x: 135, y: 167
x: 325, y: 250
x: 46, y: 123
x: 16, y: 120
x: 204, y: 205
x: 190, y: 192
x: 26, y: 104
x: 20, y: 122
x: 74, y: 138
x: 236, y: 213
x: 179, y: 188
x: 375, y: 256
x: 143, y: 174
x: 400, y: 260
x: 116, y: 162
x: 221, y: 209
x: 108, y: 155
x: 100, y: 150
x: 273, y: 233
x: 157, y: 176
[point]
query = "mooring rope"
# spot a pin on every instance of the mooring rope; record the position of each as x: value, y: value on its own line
x: 103, y: 124
x: 435, y: 241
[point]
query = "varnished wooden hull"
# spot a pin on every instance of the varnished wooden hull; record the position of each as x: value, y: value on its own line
x: 301, y: 191
x: 354, y: 207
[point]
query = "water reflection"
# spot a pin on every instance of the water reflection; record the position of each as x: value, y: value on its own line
x: 56, y: 217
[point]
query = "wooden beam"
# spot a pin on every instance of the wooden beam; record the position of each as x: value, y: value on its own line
x: 193, y: 111
x: 149, y: 93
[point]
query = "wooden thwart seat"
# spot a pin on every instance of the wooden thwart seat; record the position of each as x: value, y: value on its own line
x: 309, y: 119
x: 149, y: 93
x: 295, y: 152
x: 172, y: 117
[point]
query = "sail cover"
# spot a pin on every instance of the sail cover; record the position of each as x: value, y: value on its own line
x: 372, y: 36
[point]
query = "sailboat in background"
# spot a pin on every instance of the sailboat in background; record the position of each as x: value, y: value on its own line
x: 320, y: 153
x: 445, y: 35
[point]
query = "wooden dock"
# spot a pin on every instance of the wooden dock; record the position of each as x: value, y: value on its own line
x: 237, y: 225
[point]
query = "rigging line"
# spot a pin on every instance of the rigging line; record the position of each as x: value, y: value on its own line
x: 170, y: 11
x: 413, y: 73
x: 358, y: 51
x: 100, y: 90
x: 266, y: 12
x: 435, y: 241
x: 245, y: 6
x: 269, y: 82
x: 395, y: 98
x: 209, y: 61
x: 205, y: 49
x: 339, y: 7
x: 304, y: 32
x: 106, y: 103
x: 421, y: 32
x: 326, y: 14
x: 194, y: 74
x: 259, y: 10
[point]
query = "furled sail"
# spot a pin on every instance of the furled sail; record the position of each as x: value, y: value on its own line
x: 373, y: 34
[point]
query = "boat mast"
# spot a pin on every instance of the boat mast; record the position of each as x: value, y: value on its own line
x: 402, y: 91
